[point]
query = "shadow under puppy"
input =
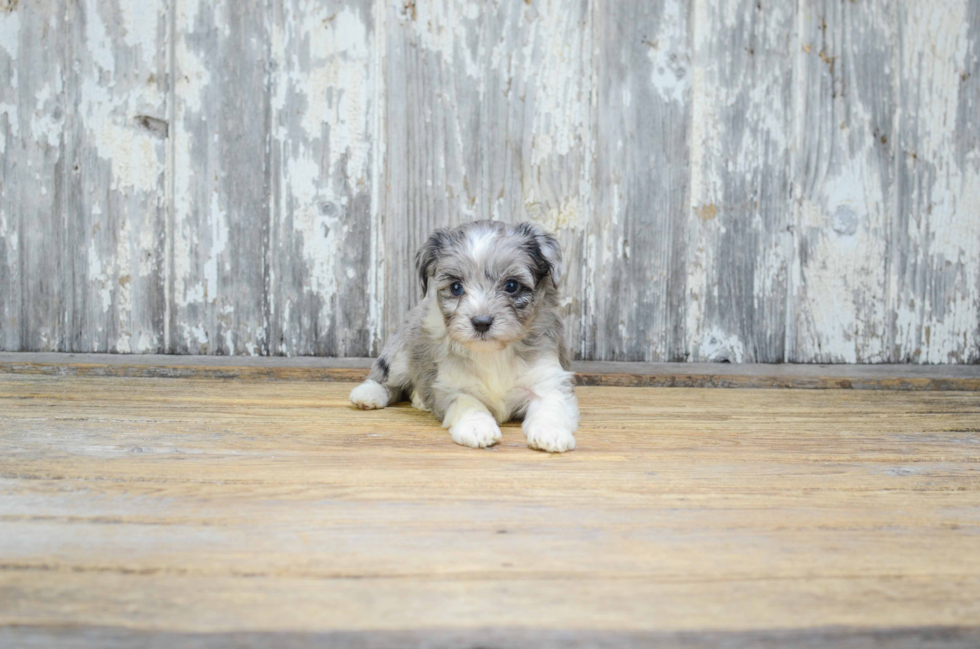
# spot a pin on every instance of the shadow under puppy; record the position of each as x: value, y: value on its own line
x: 486, y: 344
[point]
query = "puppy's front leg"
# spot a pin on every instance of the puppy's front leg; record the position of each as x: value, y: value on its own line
x: 550, y: 420
x: 470, y: 423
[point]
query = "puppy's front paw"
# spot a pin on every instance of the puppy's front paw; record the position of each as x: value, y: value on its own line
x: 369, y: 395
x: 476, y: 430
x: 548, y: 437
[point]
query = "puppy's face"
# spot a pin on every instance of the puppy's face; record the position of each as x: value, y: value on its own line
x: 489, y: 279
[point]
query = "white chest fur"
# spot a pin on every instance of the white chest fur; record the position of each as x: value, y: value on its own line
x: 501, y: 380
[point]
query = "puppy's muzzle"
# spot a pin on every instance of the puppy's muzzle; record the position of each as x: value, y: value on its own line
x: 482, y: 323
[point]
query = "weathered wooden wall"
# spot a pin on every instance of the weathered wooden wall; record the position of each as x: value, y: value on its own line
x: 739, y: 180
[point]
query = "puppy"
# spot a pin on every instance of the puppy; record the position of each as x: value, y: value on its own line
x: 486, y: 344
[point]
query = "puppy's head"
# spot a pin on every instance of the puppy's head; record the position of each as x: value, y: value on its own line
x: 490, y: 279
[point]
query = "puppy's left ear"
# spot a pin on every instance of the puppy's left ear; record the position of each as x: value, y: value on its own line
x: 428, y: 255
x: 546, y: 251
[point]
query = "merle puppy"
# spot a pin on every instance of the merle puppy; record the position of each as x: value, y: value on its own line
x: 486, y: 344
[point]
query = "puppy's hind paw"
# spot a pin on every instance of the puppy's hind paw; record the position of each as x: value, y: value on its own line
x: 476, y: 430
x: 369, y: 395
x: 417, y: 402
x: 550, y: 438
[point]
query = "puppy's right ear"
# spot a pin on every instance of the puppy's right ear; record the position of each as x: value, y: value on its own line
x: 545, y: 251
x: 428, y: 255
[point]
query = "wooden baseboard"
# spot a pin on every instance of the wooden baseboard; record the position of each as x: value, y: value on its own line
x: 503, y: 638
x: 701, y: 375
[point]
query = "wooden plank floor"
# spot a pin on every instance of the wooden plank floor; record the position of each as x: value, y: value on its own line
x: 184, y: 512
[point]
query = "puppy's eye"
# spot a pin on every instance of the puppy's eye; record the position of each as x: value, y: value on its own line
x: 456, y: 289
x: 511, y: 286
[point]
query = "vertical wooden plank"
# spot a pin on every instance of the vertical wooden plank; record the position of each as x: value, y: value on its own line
x: 968, y: 149
x: 10, y: 288
x: 935, y: 240
x: 741, y: 210
x: 221, y: 161
x: 325, y: 101
x: 845, y: 176
x: 34, y: 284
x: 116, y: 211
x: 636, y: 262
x: 488, y: 116
x: 377, y: 272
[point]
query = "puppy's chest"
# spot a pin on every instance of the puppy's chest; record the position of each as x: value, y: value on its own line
x: 499, y: 381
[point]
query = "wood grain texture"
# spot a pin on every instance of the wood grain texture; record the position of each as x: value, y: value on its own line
x: 34, y: 202
x: 184, y: 506
x: 740, y: 207
x: 935, y: 280
x: 325, y: 105
x: 888, y: 183
x: 845, y: 181
x: 116, y: 137
x: 637, y: 272
x: 745, y: 180
x: 219, y: 272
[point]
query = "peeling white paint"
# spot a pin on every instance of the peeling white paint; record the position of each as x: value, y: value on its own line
x: 376, y: 269
x: 509, y: 124
x: 148, y: 255
x: 194, y: 295
x: 190, y: 255
x: 134, y: 155
x: 441, y: 26
x: 219, y: 242
x: 6, y: 110
x: 120, y: 283
x: 718, y: 346
x: 857, y: 301
x: 140, y: 23
x: 98, y: 276
x: 703, y: 148
x: 199, y: 334
x: 841, y: 289
x: 561, y: 109
x: 192, y: 75
x: 8, y: 235
x: 326, y: 97
x: 97, y: 40
x: 668, y: 51
x: 845, y: 284
x: 147, y: 344
x: 944, y: 240
x: 108, y: 108
x: 320, y: 232
x: 333, y: 83
x: 45, y: 126
x: 568, y: 215
x: 739, y: 206
x: 10, y: 34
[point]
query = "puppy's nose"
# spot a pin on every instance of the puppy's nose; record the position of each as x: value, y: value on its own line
x: 482, y: 323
